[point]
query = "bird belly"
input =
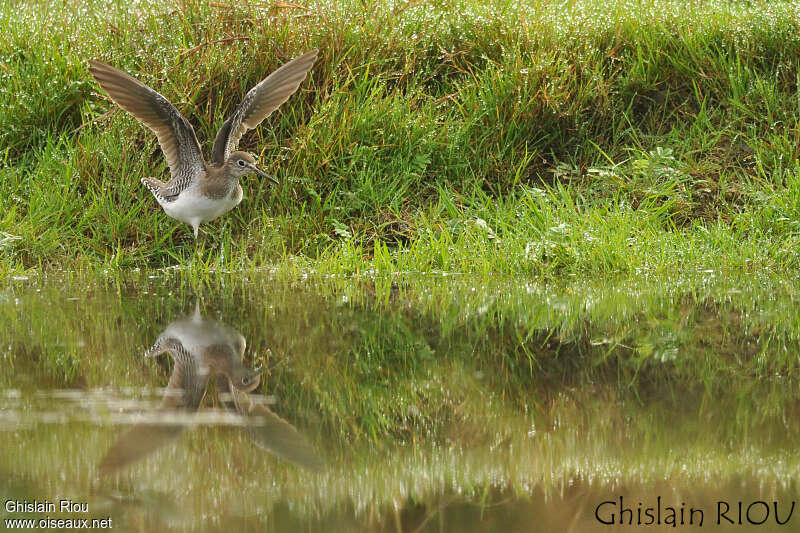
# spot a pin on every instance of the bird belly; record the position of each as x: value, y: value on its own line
x: 201, y: 333
x: 193, y: 208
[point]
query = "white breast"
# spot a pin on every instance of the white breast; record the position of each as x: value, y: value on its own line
x: 197, y: 333
x: 194, y: 208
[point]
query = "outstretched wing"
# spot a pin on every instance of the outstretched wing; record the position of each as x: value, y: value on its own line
x: 188, y: 382
x: 136, y: 444
x: 186, y: 388
x: 260, y: 102
x: 175, y: 135
x: 272, y: 433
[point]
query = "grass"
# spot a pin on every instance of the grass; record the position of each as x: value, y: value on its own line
x: 626, y: 138
x: 651, y: 142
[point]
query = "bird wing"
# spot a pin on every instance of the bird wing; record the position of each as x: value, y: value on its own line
x: 188, y: 382
x: 175, y: 135
x: 186, y: 388
x: 136, y: 444
x: 274, y: 434
x: 260, y: 102
x: 267, y: 430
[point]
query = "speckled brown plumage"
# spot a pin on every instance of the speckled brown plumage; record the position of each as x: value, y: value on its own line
x: 199, y: 191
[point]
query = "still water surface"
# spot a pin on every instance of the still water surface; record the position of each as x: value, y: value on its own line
x: 427, y: 403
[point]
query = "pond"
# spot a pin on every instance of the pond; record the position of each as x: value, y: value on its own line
x: 418, y: 403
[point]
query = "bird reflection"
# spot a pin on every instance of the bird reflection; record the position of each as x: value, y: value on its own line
x: 201, y: 349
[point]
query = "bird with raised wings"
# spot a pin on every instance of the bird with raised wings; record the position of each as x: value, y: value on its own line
x: 200, y: 191
x: 201, y: 349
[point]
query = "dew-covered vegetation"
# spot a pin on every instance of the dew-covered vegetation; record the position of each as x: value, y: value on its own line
x: 523, y: 257
x: 521, y: 137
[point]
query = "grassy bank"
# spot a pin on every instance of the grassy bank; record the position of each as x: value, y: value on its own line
x: 638, y: 138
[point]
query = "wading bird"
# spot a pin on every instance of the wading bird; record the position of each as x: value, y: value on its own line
x: 203, y: 349
x: 199, y: 191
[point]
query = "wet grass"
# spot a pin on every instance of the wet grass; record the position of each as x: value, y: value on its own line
x: 621, y: 138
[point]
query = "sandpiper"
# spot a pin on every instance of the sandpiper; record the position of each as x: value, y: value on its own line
x: 200, y: 191
x: 202, y: 349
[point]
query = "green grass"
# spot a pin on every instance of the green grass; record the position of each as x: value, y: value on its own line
x: 590, y: 138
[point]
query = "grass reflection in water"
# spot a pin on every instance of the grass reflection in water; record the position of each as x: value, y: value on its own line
x: 435, y: 401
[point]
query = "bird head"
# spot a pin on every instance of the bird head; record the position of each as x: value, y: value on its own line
x: 243, y: 164
x: 245, y: 379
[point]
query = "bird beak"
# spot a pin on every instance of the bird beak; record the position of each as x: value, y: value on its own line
x: 264, y: 174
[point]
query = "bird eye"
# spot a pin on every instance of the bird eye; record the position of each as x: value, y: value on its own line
x: 240, y: 162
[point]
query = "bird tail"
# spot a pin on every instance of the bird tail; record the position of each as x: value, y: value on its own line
x: 154, y: 186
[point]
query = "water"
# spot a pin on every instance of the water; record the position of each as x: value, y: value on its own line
x: 423, y: 403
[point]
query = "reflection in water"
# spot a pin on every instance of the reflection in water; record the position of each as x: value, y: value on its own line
x: 202, y: 349
x: 439, y: 403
